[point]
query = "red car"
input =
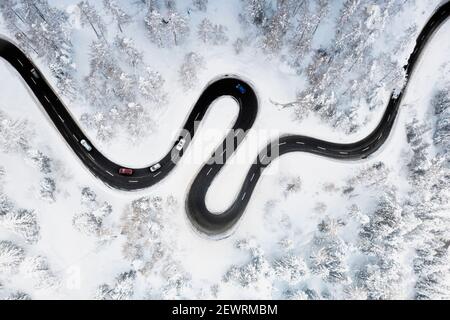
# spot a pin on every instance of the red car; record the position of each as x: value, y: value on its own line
x: 126, y: 171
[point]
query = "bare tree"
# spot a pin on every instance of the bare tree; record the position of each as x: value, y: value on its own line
x: 90, y: 16
x: 189, y: 70
x: 120, y: 16
x: 209, y: 33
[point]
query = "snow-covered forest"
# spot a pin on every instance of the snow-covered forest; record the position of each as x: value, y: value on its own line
x: 129, y: 72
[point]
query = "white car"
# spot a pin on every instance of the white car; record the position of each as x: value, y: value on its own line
x: 180, y: 144
x: 155, y: 167
x: 86, y: 145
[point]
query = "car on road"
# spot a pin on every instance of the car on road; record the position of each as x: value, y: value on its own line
x: 180, y: 144
x: 34, y: 73
x: 155, y: 167
x: 85, y: 145
x: 241, y: 88
x: 126, y: 171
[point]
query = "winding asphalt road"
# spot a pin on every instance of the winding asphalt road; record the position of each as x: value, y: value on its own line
x: 204, y: 221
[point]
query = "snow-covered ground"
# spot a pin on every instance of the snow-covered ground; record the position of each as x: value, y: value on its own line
x: 304, y: 232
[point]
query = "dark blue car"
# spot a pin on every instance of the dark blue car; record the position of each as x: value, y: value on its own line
x: 241, y: 88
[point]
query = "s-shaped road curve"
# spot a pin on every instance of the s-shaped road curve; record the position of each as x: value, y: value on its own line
x: 204, y: 221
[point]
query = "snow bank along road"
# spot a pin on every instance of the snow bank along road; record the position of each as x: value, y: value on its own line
x: 206, y: 222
